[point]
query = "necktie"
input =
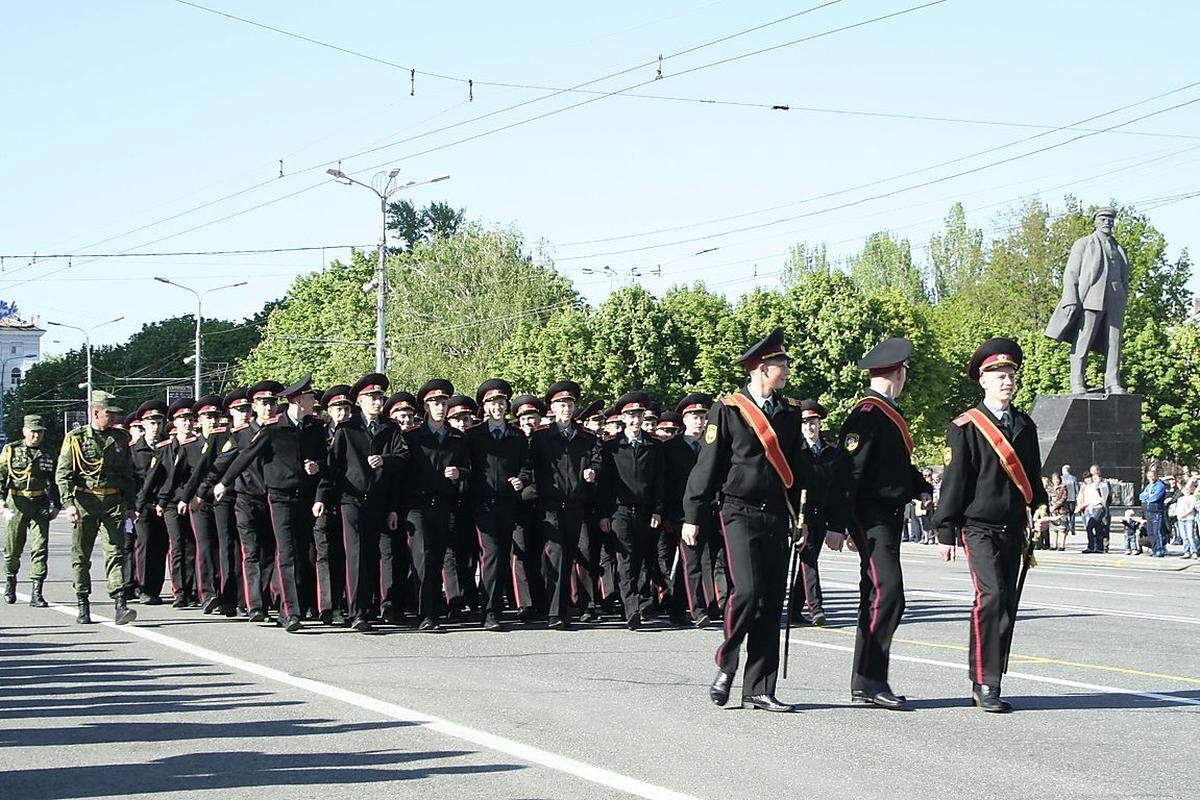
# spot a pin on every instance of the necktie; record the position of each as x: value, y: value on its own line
x: 1006, y: 422
x: 498, y: 434
x: 769, y: 407
x: 816, y: 449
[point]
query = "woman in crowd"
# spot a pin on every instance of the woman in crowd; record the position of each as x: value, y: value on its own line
x: 1187, y: 510
x: 1058, y: 511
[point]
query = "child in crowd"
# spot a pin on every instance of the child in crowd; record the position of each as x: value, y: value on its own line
x: 1133, y: 533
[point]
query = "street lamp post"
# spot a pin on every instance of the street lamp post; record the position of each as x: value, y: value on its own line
x: 384, y: 194
x: 87, y: 346
x: 199, y: 318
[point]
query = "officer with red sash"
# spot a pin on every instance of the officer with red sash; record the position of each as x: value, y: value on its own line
x: 991, y: 480
x: 744, y: 456
x: 880, y: 481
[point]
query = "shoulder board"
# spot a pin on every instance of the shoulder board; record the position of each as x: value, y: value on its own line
x: 585, y: 432
x: 164, y: 443
x: 274, y: 419
x: 188, y: 441
x: 609, y: 437
x: 221, y: 429
x: 544, y: 427
x: 961, y: 420
x: 243, y: 426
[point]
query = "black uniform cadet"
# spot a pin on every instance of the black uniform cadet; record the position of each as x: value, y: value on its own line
x: 564, y: 463
x: 692, y: 564
x: 528, y: 587
x: 329, y: 556
x: 198, y: 455
x: 436, y: 452
x: 880, y: 482
x: 982, y: 500
x: 823, y: 511
x: 289, y: 448
x: 461, y: 559
x: 366, y: 463
x: 150, y: 531
x: 631, y: 502
x: 587, y: 577
x: 755, y: 514
x: 166, y: 476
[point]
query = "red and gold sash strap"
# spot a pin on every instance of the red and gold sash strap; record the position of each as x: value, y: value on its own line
x: 761, y: 426
x: 891, y: 414
x: 1004, y: 449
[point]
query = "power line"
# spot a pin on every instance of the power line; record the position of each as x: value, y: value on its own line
x: 1006, y: 145
x: 543, y: 115
x: 47, y: 256
x: 881, y: 195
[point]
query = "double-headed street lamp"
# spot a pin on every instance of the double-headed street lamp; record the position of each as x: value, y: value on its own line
x: 87, y: 346
x: 384, y: 194
x: 199, y: 318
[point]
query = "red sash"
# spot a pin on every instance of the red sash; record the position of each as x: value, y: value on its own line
x: 1004, y: 449
x: 761, y: 426
x: 891, y: 414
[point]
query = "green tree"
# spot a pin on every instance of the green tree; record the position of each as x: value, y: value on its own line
x: 886, y: 262
x: 956, y: 257
x: 412, y: 225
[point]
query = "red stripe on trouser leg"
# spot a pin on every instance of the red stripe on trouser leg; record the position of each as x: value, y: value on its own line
x: 976, y: 609
x: 804, y: 586
x: 283, y: 603
x: 729, y: 602
x: 516, y: 583
x: 245, y: 579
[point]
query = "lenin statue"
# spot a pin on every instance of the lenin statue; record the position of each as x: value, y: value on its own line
x: 1095, y: 289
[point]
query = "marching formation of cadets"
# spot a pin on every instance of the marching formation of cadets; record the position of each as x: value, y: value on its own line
x: 361, y: 507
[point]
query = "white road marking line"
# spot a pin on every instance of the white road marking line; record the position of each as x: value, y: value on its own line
x: 1060, y: 588
x: 1107, y: 612
x: 534, y: 755
x: 1093, y: 687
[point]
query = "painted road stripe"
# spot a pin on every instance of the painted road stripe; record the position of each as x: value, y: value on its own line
x: 1061, y: 588
x: 500, y: 744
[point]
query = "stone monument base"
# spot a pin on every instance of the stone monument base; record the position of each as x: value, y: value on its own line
x: 1086, y: 429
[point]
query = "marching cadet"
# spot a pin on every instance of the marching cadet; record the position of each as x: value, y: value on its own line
x: 366, y: 462
x: 690, y: 564
x: 880, y: 482
x: 149, y: 531
x: 137, y: 434
x: 498, y: 451
x: 564, y: 463
x: 821, y: 509
x: 215, y: 526
x: 196, y: 452
x: 631, y: 503
x: 587, y: 576
x: 990, y: 483
x: 290, y: 448
x: 96, y: 486
x: 528, y: 587
x: 164, y: 479
x: 402, y: 409
x: 328, y: 531
x: 438, y: 463
x: 745, y: 457
x: 28, y: 488
x: 461, y: 559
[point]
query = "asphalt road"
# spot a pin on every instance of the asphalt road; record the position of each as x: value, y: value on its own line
x: 1105, y: 676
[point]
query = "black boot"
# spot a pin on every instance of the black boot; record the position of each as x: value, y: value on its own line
x: 35, y: 595
x: 987, y: 698
x: 10, y: 589
x: 122, y: 614
x: 84, y: 617
x: 718, y: 692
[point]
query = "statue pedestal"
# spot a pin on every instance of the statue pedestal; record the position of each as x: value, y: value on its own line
x: 1086, y: 429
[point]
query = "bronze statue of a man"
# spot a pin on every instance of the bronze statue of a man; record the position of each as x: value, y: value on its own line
x: 1092, y: 310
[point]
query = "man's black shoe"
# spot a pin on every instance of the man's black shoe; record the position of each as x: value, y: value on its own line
x: 211, y: 604
x: 987, y: 698
x: 84, y: 617
x: 150, y: 599
x: 258, y: 615
x: 122, y: 614
x: 291, y: 624
x: 718, y: 692
x: 702, y: 620
x: 492, y: 623
x: 635, y: 621
x: 35, y: 595
x: 10, y: 589
x: 362, y: 625
x: 767, y: 702
x: 558, y: 624
x: 879, y: 695
x: 818, y: 618
x: 429, y: 625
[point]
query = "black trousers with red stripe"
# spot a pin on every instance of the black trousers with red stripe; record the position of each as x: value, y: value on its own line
x: 330, y: 560
x: 208, y: 551
x: 688, y: 563
x: 560, y: 535
x: 494, y: 523
x: 807, y: 590
x: 287, y: 511
x: 258, y: 549
x: 229, y: 554
x: 528, y: 587
x: 876, y: 535
x: 181, y: 551
x: 994, y: 558
x: 756, y: 544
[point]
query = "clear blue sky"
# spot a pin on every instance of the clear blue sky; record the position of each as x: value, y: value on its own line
x: 120, y: 114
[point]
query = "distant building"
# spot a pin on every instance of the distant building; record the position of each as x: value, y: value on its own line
x: 20, y: 349
x: 1192, y: 315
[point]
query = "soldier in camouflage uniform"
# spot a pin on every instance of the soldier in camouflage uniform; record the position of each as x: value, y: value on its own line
x: 27, y: 487
x: 98, y: 490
